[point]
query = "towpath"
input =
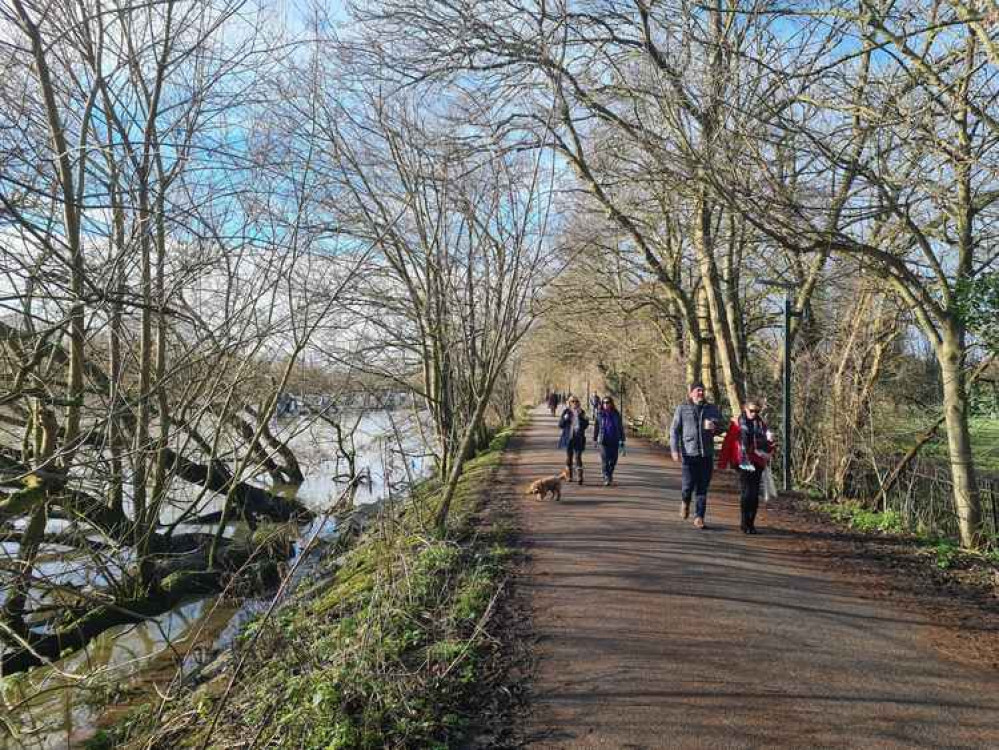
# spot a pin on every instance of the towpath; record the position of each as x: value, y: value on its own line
x: 652, y: 634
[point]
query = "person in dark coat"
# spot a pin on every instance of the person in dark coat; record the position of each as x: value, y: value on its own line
x: 573, y: 424
x: 695, y: 424
x: 756, y: 445
x: 608, y: 433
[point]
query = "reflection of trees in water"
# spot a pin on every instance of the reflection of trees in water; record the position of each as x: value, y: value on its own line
x: 113, y: 659
x: 386, y: 445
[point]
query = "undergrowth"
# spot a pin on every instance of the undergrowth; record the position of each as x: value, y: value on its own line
x: 947, y: 552
x: 392, y: 653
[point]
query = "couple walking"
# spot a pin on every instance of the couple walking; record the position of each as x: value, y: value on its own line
x: 608, y: 433
x: 747, y: 447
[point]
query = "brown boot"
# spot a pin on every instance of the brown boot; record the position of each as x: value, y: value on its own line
x: 580, y: 469
x: 569, y: 469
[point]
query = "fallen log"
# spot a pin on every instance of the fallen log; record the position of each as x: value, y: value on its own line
x: 249, y: 499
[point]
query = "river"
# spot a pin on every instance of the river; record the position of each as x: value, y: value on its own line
x: 53, y: 707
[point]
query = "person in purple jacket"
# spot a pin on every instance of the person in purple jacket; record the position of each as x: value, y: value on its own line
x: 608, y: 433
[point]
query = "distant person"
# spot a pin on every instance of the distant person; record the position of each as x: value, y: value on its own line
x: 608, y: 433
x: 695, y: 424
x: 552, y: 402
x: 573, y: 424
x: 595, y: 402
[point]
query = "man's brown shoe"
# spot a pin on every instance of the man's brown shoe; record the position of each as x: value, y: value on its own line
x: 698, y: 523
x: 684, y: 509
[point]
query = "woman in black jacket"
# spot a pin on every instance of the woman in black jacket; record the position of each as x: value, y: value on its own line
x: 756, y: 445
x: 573, y: 424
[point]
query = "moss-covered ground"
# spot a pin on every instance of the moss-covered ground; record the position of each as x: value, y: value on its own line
x: 392, y: 651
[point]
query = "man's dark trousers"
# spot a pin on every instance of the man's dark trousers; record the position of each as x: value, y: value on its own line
x: 696, y: 478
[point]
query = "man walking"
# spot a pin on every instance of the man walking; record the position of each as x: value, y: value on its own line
x: 695, y: 424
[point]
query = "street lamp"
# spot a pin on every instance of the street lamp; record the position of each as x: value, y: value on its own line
x: 789, y: 312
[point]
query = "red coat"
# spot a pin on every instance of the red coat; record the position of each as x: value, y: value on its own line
x: 728, y: 456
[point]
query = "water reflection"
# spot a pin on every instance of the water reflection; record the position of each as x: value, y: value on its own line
x: 60, y: 712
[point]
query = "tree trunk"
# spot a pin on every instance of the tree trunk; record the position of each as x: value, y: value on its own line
x: 724, y: 344
x: 709, y: 367
x: 459, y: 460
x: 967, y: 502
x: 248, y: 498
x: 174, y: 590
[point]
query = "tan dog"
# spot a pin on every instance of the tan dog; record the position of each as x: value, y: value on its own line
x: 553, y: 485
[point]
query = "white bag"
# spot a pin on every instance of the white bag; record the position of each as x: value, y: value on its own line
x: 769, y: 486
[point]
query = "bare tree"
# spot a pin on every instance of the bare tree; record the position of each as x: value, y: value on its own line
x: 900, y: 158
x: 155, y: 262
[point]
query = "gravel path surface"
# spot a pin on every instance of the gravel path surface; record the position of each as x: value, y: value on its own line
x: 652, y: 634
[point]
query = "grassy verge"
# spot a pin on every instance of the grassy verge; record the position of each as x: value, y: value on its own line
x: 946, y: 552
x: 653, y: 435
x: 393, y: 652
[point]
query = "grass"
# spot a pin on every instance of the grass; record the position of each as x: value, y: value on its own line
x: 653, y: 434
x: 392, y: 653
x: 984, y: 441
x: 946, y: 552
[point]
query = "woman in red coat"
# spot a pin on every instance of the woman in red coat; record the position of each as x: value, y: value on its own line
x: 747, y: 448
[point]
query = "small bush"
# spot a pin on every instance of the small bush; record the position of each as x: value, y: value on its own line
x: 856, y: 516
x: 945, y: 551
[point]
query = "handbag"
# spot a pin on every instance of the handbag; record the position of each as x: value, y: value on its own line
x: 769, y: 485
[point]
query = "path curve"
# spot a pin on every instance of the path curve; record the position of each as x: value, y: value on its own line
x: 652, y: 634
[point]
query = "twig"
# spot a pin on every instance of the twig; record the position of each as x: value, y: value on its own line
x: 224, y: 699
x: 478, y: 629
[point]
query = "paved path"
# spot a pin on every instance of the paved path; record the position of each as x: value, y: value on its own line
x: 652, y: 634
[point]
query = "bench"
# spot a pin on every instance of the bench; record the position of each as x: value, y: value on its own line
x: 636, y: 423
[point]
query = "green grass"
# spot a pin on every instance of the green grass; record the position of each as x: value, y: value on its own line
x: 654, y: 435
x: 984, y: 441
x: 984, y: 444
x: 393, y: 653
x: 946, y: 552
x: 855, y: 516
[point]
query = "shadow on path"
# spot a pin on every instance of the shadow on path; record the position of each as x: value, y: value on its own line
x: 652, y: 634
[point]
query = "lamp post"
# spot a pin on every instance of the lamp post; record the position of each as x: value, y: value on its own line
x: 789, y: 312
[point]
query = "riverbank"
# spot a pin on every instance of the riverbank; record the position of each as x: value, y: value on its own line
x: 390, y: 645
x: 61, y: 705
